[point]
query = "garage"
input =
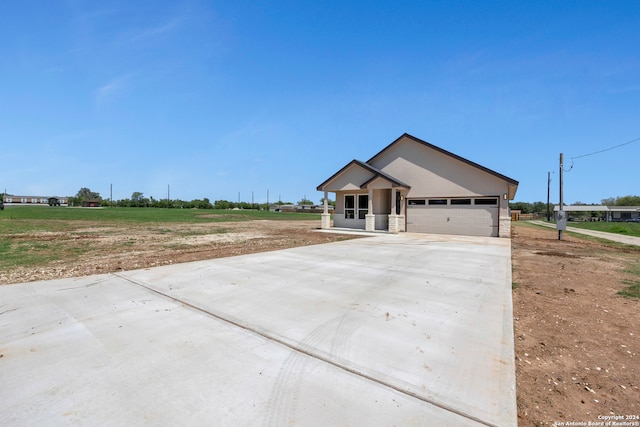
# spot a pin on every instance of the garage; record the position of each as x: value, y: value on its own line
x: 477, y: 216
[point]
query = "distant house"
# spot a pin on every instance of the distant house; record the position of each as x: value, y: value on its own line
x: 610, y: 213
x: 412, y: 185
x: 35, y: 200
x: 299, y: 208
x: 91, y: 203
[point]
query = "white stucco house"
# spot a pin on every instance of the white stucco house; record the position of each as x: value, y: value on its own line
x: 412, y: 185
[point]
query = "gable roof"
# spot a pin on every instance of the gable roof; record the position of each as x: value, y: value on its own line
x: 377, y: 173
x: 445, y: 152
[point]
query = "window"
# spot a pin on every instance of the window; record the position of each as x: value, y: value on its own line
x: 349, y: 206
x: 487, y: 201
x: 417, y: 202
x: 437, y: 201
x: 363, y: 205
x: 460, y: 201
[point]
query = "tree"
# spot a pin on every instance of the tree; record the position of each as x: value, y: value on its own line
x: 305, y: 201
x: 628, y: 201
x: 329, y: 202
x: 136, y: 198
x: 86, y: 194
x: 609, y: 201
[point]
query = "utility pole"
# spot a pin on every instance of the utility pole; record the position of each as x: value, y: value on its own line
x: 548, y: 187
x: 561, y: 223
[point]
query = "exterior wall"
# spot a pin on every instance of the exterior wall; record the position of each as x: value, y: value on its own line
x: 382, y: 208
x: 431, y: 173
x: 351, y: 179
x: 339, y: 221
x: 338, y: 216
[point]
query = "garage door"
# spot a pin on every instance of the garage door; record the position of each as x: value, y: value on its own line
x: 465, y: 216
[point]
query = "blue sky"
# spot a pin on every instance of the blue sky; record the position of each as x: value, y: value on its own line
x: 220, y: 98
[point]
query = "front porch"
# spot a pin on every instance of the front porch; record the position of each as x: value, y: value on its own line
x: 379, y: 210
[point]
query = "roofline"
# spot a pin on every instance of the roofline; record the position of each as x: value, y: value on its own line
x: 368, y: 167
x: 448, y: 153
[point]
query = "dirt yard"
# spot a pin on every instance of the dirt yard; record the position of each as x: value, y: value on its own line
x: 110, y: 249
x: 577, y: 347
x: 576, y: 341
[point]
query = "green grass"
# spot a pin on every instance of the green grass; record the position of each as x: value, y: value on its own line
x: 22, y: 244
x: 37, y: 218
x: 633, y: 285
x: 626, y: 228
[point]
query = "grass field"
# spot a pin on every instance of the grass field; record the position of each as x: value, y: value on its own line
x: 36, y: 236
x: 36, y: 218
x: 626, y: 228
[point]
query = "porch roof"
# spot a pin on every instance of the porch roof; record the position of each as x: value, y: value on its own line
x: 377, y: 173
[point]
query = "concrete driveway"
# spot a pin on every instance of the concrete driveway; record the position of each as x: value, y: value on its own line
x: 409, y: 329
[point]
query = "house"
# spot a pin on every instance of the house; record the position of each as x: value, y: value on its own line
x: 35, y: 200
x: 610, y: 213
x: 91, y: 203
x: 412, y: 185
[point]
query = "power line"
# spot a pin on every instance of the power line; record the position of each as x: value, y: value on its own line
x: 606, y: 149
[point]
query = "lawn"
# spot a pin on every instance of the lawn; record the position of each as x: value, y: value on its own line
x: 33, y: 236
x: 18, y: 219
x: 626, y: 228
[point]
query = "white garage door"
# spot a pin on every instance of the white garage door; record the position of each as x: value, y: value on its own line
x: 470, y: 216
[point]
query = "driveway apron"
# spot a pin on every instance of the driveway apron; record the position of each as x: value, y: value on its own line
x: 408, y: 329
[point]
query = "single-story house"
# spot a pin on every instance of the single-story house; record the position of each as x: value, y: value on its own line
x: 91, y: 203
x: 412, y: 185
x: 34, y: 200
x: 611, y: 213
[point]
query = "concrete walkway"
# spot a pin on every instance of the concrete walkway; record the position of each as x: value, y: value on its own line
x: 620, y: 238
x: 408, y: 330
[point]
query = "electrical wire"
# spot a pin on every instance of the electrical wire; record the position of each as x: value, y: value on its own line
x: 606, y: 149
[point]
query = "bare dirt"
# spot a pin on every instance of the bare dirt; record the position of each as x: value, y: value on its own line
x: 97, y: 249
x: 576, y: 341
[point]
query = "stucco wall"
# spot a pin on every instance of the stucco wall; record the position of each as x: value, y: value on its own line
x: 434, y: 174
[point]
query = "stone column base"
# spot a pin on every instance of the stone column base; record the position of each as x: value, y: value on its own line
x: 396, y: 223
x: 370, y: 222
x: 504, y: 226
x: 326, y: 221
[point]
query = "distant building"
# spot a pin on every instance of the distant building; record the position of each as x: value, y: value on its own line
x: 611, y: 213
x: 10, y: 200
x: 92, y: 203
x: 299, y: 208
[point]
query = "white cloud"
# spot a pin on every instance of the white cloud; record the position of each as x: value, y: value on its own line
x: 156, y: 31
x: 111, y: 90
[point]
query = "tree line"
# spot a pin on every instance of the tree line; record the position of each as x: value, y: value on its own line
x: 138, y: 200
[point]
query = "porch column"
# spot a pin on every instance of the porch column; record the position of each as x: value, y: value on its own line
x: 326, y: 217
x: 370, y: 218
x: 394, y: 225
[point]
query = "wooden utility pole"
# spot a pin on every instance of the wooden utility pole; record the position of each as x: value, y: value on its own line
x: 548, y: 188
x: 561, y: 222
